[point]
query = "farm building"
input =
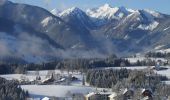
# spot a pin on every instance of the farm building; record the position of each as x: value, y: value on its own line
x: 112, y: 96
x: 128, y: 94
x: 147, y: 94
x: 97, y: 96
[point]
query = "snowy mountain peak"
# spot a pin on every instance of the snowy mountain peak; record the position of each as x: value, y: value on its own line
x: 73, y: 10
x: 153, y: 13
x: 108, y: 12
x: 148, y: 15
x: 126, y: 10
x: 55, y: 12
x: 105, y: 7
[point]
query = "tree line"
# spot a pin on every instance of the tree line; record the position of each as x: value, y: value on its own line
x: 73, y: 64
x: 107, y: 78
x: 10, y: 90
x: 158, y: 54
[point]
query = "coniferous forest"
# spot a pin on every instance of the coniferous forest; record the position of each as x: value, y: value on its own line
x: 10, y: 90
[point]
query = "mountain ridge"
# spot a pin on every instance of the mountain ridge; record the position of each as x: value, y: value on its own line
x: 74, y: 33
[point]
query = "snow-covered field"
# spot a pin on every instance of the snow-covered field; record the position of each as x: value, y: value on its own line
x: 39, y: 91
x: 164, y: 72
x: 31, y: 75
x: 131, y: 68
x: 55, y: 90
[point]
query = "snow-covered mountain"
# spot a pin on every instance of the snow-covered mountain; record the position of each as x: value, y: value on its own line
x: 55, y: 12
x: 35, y: 34
x: 73, y: 11
x: 126, y: 29
x: 33, y: 27
x: 108, y: 12
x: 78, y: 18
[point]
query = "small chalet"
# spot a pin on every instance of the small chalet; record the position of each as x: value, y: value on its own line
x: 48, y: 80
x: 97, y: 96
x: 112, y: 96
x: 147, y: 94
x: 45, y: 98
x: 128, y: 94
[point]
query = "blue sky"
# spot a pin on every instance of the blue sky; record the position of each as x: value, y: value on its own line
x: 158, y: 5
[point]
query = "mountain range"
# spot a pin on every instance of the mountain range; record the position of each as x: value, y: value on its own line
x: 33, y: 34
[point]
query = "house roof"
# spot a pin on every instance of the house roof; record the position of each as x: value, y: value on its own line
x: 45, y: 98
x: 90, y: 94
x: 126, y: 90
x: 98, y: 93
x: 113, y: 95
x: 143, y: 90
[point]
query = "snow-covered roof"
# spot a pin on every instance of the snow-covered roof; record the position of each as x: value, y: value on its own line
x: 113, y: 95
x: 46, y: 80
x: 45, y: 98
x: 90, y: 94
x: 143, y: 90
x: 106, y: 11
x: 100, y: 93
x: 126, y: 90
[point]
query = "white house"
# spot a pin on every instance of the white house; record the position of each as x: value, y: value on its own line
x: 45, y: 98
x: 87, y: 97
x: 112, y: 96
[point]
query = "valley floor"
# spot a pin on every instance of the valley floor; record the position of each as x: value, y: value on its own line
x: 40, y: 91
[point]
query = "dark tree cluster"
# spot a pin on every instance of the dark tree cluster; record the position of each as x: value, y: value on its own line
x: 148, y: 62
x: 12, y: 68
x: 7, y: 68
x: 42, y: 66
x: 158, y: 54
x: 74, y: 64
x: 10, y: 90
x: 121, y: 78
x: 141, y: 79
x: 106, y: 78
x: 109, y: 63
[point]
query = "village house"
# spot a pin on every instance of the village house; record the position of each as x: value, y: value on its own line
x: 147, y: 94
x: 128, y: 94
x: 48, y: 80
x: 45, y: 98
x: 97, y: 96
x: 112, y: 96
